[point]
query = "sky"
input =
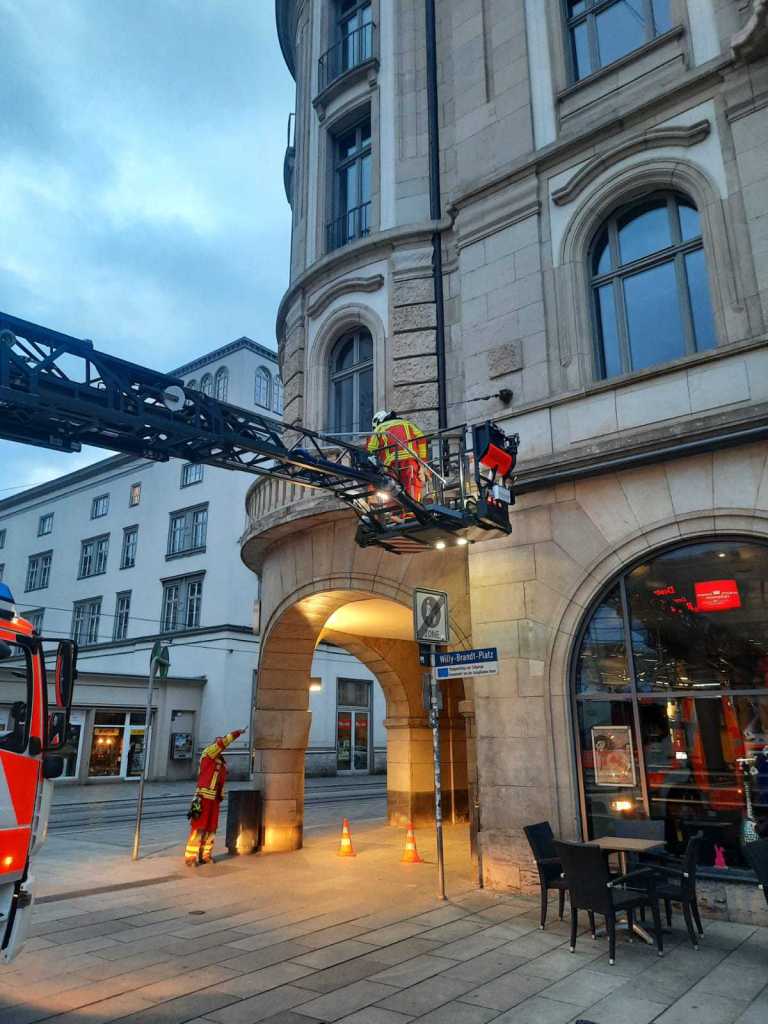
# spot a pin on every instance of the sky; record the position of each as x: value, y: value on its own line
x: 141, y: 189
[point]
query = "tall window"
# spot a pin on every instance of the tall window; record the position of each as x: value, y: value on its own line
x: 649, y: 282
x: 85, y: 621
x: 192, y: 384
x: 93, y: 556
x: 122, y: 614
x: 352, y: 383
x: 670, y: 681
x: 38, y: 571
x: 182, y: 599
x: 353, y: 44
x: 191, y: 473
x: 130, y: 544
x: 351, y: 186
x: 2, y: 538
x: 278, y: 402
x: 187, y: 531
x: 45, y: 524
x: 35, y: 616
x: 221, y: 384
x: 206, y: 384
x: 262, y: 393
x: 602, y: 31
x: 100, y: 506
x: 134, y: 495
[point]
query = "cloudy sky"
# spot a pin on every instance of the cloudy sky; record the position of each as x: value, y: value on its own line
x: 141, y: 195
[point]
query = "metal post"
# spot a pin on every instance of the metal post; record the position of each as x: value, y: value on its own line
x: 145, y: 769
x: 434, y: 721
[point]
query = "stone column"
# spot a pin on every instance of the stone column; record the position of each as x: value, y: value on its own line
x: 410, y: 771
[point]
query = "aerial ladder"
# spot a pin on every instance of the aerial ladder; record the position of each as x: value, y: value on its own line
x: 59, y: 392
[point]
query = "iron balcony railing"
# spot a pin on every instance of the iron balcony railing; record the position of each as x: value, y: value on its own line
x: 350, y: 52
x: 355, y: 223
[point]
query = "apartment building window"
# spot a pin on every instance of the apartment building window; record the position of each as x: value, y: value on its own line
x: 206, y: 384
x: 650, y: 286
x: 35, y: 616
x: 351, y: 397
x: 192, y: 384
x: 278, y: 404
x: 45, y: 524
x: 2, y: 538
x: 93, y: 556
x: 122, y: 614
x: 187, y: 530
x: 262, y: 392
x: 100, y: 506
x: 134, y: 496
x: 182, y: 598
x: 38, y: 571
x: 351, y: 202
x: 191, y: 473
x: 86, y: 616
x: 602, y: 31
x: 130, y: 543
x: 353, y: 43
x: 221, y: 383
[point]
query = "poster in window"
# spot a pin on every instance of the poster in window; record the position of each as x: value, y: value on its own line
x: 613, y: 756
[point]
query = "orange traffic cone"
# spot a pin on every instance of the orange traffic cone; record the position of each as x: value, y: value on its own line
x: 410, y: 853
x: 345, y: 849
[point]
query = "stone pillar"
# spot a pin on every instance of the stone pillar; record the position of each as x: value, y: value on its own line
x: 453, y: 764
x: 410, y: 771
x: 466, y: 708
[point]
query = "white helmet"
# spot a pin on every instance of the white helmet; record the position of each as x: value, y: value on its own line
x: 381, y: 417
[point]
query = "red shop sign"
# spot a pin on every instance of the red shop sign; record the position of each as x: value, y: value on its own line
x: 717, y: 596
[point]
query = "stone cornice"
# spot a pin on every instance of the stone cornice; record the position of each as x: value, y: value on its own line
x: 751, y: 42
x: 344, y: 287
x: 654, y: 138
x: 285, y: 19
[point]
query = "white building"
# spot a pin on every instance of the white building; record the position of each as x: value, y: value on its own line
x: 127, y: 551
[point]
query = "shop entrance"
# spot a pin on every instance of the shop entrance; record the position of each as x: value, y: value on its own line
x: 353, y: 725
x: 117, y: 745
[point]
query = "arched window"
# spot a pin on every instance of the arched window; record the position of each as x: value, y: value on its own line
x: 351, y: 399
x: 263, y: 388
x: 206, y: 384
x: 670, y: 686
x: 649, y: 285
x: 192, y: 384
x: 278, y: 404
x: 222, y: 383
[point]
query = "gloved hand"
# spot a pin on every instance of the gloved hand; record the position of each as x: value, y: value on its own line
x: 237, y: 732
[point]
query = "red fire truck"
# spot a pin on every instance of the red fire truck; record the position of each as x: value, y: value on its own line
x: 34, y: 726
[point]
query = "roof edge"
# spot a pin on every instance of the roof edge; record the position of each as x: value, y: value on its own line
x: 285, y: 18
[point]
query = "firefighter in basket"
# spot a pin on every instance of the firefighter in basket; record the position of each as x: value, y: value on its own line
x: 399, y: 444
x: 203, y: 813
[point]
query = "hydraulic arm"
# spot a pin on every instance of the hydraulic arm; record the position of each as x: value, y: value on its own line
x: 59, y: 392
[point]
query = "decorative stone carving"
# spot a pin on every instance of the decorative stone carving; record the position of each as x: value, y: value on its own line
x: 504, y: 359
x: 655, y: 138
x: 751, y: 42
x: 343, y: 287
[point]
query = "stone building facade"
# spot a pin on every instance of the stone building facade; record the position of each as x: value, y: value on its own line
x: 604, y: 231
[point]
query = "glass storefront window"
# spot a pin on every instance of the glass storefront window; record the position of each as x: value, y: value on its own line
x: 117, y: 746
x: 106, y: 751
x: 678, y: 652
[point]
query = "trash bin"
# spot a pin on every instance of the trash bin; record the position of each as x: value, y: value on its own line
x: 243, y: 821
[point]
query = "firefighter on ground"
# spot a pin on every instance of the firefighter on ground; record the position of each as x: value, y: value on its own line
x: 204, y: 811
x: 399, y: 444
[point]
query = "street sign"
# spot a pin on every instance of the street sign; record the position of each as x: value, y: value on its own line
x: 481, y: 661
x: 430, y: 616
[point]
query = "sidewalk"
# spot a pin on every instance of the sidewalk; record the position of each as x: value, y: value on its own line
x: 308, y: 937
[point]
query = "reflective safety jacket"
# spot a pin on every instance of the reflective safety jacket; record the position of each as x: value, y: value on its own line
x: 213, y: 769
x: 397, y: 441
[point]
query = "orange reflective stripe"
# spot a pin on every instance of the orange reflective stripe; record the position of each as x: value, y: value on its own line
x: 14, y: 848
x: 21, y: 779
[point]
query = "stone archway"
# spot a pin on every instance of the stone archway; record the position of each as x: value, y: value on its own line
x: 282, y: 719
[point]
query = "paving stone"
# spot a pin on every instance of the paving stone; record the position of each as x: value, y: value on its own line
x: 330, y: 936
x: 584, y: 988
x: 558, y: 963
x: 412, y: 971
x: 394, y: 933
x: 179, y: 1011
x: 458, y: 1013
x: 346, y: 1000
x: 342, y: 974
x: 334, y: 954
x: 703, y: 1008
x: 506, y: 991
x: 732, y: 981
x: 474, y: 945
x: 260, y: 1007
x: 265, y: 957
x: 627, y: 1009
x: 426, y: 996
x: 400, y: 951
x: 538, y: 1010
x: 263, y: 980
x: 375, y: 1015
x: 456, y: 930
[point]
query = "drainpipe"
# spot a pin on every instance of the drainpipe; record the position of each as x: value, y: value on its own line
x: 435, y: 204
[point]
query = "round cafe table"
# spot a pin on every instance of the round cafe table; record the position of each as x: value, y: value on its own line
x: 622, y: 845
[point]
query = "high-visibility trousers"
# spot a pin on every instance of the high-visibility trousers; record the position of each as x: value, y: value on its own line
x: 203, y: 832
x: 408, y: 473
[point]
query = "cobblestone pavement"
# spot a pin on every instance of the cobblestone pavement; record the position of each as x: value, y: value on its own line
x: 308, y: 937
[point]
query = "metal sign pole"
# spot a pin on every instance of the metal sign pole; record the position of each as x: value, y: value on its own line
x: 145, y: 767
x: 434, y: 721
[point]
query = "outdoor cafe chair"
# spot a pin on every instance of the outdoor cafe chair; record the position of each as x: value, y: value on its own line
x: 678, y: 884
x: 542, y: 843
x: 757, y: 855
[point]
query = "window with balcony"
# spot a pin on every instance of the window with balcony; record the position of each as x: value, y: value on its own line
x: 262, y: 392
x: 602, y: 31
x: 187, y: 531
x: 649, y: 286
x: 353, y: 41
x: 100, y: 506
x: 122, y: 614
x: 130, y: 544
x: 86, y: 616
x: 45, y: 524
x: 221, y: 384
x: 38, y: 571
x: 182, y: 600
x: 93, y: 556
x: 351, y: 398
x: 351, y: 202
x: 191, y: 473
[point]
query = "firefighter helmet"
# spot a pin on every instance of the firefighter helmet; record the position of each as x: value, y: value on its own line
x: 382, y: 416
